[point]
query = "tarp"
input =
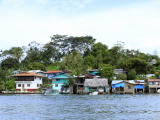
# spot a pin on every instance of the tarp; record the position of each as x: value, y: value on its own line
x: 118, y: 85
x: 95, y: 72
x: 140, y: 86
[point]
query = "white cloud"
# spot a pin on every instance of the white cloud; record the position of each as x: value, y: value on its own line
x: 138, y: 25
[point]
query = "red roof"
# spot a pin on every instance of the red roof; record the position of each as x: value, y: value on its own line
x: 27, y: 74
x: 53, y: 71
x: 153, y: 80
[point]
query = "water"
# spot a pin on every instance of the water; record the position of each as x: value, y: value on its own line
x: 82, y: 107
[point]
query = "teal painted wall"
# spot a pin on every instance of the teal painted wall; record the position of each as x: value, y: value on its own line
x: 60, y: 83
x: 57, y: 88
x: 86, y: 89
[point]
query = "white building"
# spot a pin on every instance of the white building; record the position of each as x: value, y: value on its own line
x: 28, y: 81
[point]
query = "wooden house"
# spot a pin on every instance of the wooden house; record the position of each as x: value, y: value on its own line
x: 28, y: 81
x: 128, y: 86
x: 80, y: 82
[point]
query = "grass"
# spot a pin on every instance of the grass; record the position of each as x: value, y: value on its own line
x: 153, y: 78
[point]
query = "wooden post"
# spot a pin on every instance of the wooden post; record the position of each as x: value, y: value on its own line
x: 136, y: 90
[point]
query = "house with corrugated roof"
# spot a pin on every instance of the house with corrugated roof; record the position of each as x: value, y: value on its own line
x: 50, y: 74
x: 128, y: 86
x: 58, y: 82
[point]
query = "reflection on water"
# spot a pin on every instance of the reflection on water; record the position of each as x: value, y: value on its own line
x: 140, y: 106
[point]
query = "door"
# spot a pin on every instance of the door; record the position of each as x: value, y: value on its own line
x: 22, y: 86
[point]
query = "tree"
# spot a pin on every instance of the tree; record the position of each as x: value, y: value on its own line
x: 10, y: 84
x: 66, y: 45
x: 36, y: 66
x: 74, y: 62
x: 107, y: 72
x: 18, y: 53
x: 114, y: 56
x: 132, y: 74
x: 121, y: 76
x: 10, y: 63
x: 141, y: 66
x: 70, y: 83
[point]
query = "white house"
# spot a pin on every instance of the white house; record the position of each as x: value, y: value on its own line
x: 28, y: 81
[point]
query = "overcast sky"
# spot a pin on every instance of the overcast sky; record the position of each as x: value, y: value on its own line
x: 134, y: 22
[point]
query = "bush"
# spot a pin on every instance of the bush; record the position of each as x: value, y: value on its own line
x: 121, y: 77
x: 157, y: 74
x: 132, y: 74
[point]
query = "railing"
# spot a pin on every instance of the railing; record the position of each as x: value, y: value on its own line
x: 154, y: 86
x: 24, y: 79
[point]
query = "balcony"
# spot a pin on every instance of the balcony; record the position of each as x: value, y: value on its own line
x: 154, y: 86
x: 24, y: 79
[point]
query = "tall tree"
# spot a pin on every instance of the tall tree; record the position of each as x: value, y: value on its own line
x: 141, y: 66
x: 18, y: 53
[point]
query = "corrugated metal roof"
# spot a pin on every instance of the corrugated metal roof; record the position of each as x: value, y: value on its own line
x: 130, y: 81
x: 53, y: 71
x: 153, y: 80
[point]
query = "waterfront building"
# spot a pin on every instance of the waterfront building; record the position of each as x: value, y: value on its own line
x: 58, y: 82
x: 154, y: 85
x: 128, y: 86
x: 96, y: 84
x: 28, y: 81
x: 50, y: 74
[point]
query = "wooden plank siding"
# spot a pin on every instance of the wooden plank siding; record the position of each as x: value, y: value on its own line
x: 126, y: 88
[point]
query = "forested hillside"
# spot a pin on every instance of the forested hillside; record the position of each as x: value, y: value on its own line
x: 77, y: 54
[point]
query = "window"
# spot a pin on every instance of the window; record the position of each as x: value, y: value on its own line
x: 56, y: 85
x: 28, y: 85
x: 38, y: 85
x: 19, y: 85
x: 57, y: 79
x: 129, y: 87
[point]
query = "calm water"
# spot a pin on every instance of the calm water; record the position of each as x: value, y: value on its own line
x: 39, y: 107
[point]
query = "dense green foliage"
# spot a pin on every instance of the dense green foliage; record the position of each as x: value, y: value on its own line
x: 10, y: 63
x: 107, y: 72
x: 121, y: 76
x: 77, y: 54
x: 132, y: 74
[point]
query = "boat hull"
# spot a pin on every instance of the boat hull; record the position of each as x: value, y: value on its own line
x: 93, y: 93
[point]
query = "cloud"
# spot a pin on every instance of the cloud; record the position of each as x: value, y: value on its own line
x: 136, y: 24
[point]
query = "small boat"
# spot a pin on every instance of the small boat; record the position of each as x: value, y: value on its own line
x: 94, y: 93
x: 100, y: 91
x: 158, y: 91
x: 50, y: 92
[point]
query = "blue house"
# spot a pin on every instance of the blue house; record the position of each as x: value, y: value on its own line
x: 58, y: 81
x: 50, y: 74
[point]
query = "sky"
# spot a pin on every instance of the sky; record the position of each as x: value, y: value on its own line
x: 134, y: 22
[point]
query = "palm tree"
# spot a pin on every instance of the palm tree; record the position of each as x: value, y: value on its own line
x: 18, y: 53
